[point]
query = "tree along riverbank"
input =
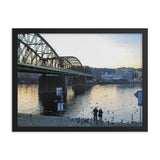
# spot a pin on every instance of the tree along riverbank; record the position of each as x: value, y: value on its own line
x: 32, y: 120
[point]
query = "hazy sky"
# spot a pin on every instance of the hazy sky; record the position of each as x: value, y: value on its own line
x: 100, y: 50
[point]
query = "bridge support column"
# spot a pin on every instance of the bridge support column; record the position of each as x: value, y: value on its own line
x: 79, y: 84
x: 48, y: 84
x: 47, y: 92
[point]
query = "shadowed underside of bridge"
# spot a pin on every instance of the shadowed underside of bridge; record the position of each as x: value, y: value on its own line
x: 36, y: 55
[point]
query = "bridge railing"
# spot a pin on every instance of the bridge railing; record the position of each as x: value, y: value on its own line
x: 47, y: 70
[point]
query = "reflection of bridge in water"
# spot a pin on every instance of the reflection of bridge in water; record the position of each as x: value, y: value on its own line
x: 36, y: 55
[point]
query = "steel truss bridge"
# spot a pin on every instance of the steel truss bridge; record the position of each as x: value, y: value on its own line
x: 36, y: 55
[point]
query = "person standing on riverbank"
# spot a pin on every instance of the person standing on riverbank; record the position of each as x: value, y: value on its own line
x: 95, y: 111
x: 100, y: 114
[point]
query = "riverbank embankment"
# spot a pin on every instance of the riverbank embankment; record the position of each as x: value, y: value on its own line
x: 32, y: 120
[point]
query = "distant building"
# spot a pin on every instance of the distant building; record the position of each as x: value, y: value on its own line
x: 138, y: 73
x: 126, y: 73
x: 111, y: 77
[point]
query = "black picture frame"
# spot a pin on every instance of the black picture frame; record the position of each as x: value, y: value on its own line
x: 143, y: 31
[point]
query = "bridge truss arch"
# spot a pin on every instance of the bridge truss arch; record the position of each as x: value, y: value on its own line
x: 73, y: 61
x: 33, y: 49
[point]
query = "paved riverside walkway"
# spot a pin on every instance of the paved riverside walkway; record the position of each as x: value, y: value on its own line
x: 32, y: 120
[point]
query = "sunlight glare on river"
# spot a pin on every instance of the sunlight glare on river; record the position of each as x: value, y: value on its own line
x: 116, y: 100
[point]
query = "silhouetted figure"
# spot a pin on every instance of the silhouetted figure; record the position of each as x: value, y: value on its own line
x: 95, y: 111
x: 100, y: 114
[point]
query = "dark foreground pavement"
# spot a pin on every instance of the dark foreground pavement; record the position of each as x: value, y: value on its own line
x: 31, y: 120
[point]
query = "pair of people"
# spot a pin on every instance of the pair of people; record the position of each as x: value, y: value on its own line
x: 95, y: 111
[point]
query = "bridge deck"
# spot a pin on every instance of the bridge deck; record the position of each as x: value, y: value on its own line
x: 47, y: 70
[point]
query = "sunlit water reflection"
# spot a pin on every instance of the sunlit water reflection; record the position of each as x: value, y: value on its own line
x: 117, y: 102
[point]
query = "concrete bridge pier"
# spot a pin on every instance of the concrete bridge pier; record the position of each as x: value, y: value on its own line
x: 47, y: 92
x: 48, y: 84
x: 79, y: 84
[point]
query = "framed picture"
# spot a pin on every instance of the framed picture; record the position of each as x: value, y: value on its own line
x: 80, y: 79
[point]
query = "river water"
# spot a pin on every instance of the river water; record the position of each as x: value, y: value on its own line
x: 116, y: 100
